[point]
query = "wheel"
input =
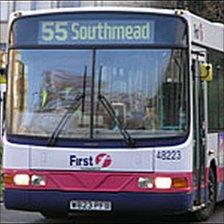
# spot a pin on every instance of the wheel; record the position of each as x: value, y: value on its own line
x: 52, y: 215
x: 205, y: 213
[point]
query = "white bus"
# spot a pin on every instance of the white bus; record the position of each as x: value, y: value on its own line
x: 113, y: 110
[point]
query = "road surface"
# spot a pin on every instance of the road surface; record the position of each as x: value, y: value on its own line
x: 8, y: 216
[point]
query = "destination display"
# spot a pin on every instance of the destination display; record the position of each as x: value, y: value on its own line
x: 95, y: 29
x: 95, y: 32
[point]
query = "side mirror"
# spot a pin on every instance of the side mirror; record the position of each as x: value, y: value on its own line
x: 206, y: 72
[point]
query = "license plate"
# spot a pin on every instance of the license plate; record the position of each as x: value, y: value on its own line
x: 81, y: 205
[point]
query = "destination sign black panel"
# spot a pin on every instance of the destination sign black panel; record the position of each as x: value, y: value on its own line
x: 78, y: 29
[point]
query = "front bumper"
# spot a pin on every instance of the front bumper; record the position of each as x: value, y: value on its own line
x: 58, y: 201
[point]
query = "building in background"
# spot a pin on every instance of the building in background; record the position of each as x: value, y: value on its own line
x: 139, y: 3
x: 7, y: 7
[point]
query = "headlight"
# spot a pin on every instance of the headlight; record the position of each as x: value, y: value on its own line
x: 145, y: 182
x: 163, y: 182
x: 21, y: 179
x: 38, y: 180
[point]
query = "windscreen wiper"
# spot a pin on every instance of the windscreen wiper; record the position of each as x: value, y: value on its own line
x: 107, y: 105
x: 80, y: 98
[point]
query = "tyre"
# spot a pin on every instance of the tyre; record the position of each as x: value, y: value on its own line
x: 205, y: 213
x: 52, y: 215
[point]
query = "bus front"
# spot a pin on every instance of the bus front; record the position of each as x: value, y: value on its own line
x: 98, y: 113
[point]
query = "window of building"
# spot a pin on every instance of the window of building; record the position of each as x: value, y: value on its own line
x: 2, y: 46
x: 69, y: 3
x: 22, y: 5
x: 41, y: 5
x: 4, y: 10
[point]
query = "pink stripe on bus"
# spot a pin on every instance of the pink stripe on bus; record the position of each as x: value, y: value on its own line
x: 97, y: 181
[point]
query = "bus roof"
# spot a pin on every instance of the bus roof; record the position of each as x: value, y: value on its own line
x: 96, y: 9
x: 203, y: 32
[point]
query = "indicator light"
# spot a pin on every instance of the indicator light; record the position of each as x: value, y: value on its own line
x: 180, y: 182
x: 7, y: 178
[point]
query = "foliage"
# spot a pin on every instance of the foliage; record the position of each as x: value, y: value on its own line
x: 211, y: 9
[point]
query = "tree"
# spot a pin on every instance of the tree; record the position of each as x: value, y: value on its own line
x: 210, y: 9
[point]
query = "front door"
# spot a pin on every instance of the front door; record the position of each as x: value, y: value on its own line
x: 200, y: 128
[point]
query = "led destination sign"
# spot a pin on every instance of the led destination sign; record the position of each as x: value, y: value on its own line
x: 95, y: 32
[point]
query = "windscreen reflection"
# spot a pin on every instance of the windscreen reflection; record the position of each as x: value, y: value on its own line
x: 145, y: 87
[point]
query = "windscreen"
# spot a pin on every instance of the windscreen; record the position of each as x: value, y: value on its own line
x: 145, y: 87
